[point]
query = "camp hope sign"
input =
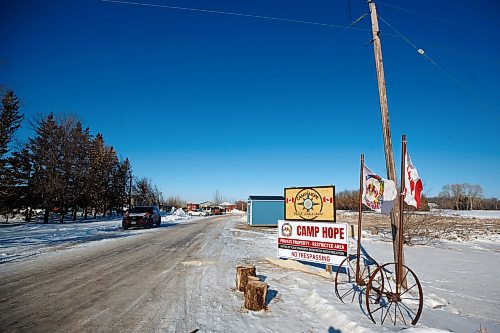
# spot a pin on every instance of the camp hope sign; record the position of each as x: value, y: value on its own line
x: 310, y: 203
x: 320, y: 242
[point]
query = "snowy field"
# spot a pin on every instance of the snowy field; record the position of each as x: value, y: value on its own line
x: 460, y: 279
x: 460, y: 285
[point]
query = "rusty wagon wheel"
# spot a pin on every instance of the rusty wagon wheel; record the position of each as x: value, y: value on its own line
x: 346, y: 286
x: 385, y: 304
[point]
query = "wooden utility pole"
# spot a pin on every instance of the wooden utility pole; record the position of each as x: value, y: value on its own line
x: 384, y: 111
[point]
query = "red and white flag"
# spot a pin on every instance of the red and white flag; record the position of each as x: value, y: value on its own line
x: 288, y: 200
x: 328, y: 199
x: 413, y: 183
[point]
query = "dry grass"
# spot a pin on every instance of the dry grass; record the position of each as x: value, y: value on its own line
x: 422, y: 228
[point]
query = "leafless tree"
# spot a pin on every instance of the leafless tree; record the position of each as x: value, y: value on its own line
x: 241, y: 205
x: 472, y: 192
x: 347, y: 200
x: 217, y: 197
x: 175, y: 201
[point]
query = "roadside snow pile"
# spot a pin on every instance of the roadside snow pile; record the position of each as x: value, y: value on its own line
x: 177, y: 215
x: 180, y: 212
x: 28, y: 239
x: 237, y: 211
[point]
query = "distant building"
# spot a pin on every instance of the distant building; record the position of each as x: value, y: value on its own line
x: 265, y: 210
x: 228, y: 207
x: 192, y: 206
x: 206, y: 206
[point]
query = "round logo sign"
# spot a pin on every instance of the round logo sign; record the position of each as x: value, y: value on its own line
x: 286, y: 230
x: 308, y: 204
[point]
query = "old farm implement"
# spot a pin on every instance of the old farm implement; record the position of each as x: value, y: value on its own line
x: 394, y: 292
x: 354, y: 272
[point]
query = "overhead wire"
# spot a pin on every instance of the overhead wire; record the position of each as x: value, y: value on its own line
x: 440, y: 68
x: 235, y: 14
x: 435, y: 18
x: 398, y: 34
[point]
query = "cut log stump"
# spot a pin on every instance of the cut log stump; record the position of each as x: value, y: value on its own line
x: 252, y: 278
x: 242, y: 274
x: 255, y: 295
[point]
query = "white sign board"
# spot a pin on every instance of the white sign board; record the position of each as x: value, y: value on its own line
x: 320, y: 242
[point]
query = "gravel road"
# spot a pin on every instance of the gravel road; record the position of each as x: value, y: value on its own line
x: 133, y: 284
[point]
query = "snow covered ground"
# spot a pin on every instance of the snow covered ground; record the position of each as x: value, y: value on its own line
x: 460, y: 285
x: 477, y: 214
x: 460, y: 280
x: 24, y: 240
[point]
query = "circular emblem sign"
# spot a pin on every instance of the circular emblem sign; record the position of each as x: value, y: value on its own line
x: 308, y: 204
x: 286, y: 230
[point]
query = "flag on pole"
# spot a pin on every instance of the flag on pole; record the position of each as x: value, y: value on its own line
x: 413, y: 183
x: 378, y: 193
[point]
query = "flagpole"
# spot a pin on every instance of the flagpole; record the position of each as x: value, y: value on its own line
x: 399, y: 267
x: 360, y: 214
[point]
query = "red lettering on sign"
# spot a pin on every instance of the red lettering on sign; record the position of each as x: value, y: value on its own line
x: 310, y: 231
x: 329, y: 232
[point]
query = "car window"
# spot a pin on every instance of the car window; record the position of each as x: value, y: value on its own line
x: 140, y: 210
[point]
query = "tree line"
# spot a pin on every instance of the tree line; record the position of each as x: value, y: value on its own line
x: 64, y: 168
x: 464, y: 196
x: 452, y: 196
x: 349, y: 200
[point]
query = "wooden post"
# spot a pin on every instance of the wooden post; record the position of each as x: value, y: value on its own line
x: 360, y: 215
x: 242, y: 274
x: 384, y: 111
x: 255, y: 295
x: 400, y: 279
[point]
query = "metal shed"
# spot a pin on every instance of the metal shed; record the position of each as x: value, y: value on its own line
x: 265, y: 210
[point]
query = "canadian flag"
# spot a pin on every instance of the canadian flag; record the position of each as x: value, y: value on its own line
x: 288, y: 200
x: 413, y: 183
x: 328, y: 199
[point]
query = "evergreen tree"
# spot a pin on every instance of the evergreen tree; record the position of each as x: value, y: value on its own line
x: 46, y: 156
x: 20, y: 171
x: 10, y: 121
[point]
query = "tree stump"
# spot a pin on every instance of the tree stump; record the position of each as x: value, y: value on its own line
x: 255, y: 295
x: 242, y: 274
x: 252, y: 278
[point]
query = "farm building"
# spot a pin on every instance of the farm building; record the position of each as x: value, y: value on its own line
x: 265, y: 210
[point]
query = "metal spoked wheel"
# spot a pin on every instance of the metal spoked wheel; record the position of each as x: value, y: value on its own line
x: 386, y: 304
x: 346, y: 286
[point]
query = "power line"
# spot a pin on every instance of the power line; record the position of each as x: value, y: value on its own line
x: 434, y: 18
x: 235, y: 14
x: 448, y: 74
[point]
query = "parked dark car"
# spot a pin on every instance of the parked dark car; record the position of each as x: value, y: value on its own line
x: 142, y: 216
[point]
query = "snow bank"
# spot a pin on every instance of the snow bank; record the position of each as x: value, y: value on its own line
x: 25, y: 240
x: 180, y: 212
x: 478, y: 214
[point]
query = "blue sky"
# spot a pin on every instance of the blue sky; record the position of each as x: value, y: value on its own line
x: 201, y: 101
